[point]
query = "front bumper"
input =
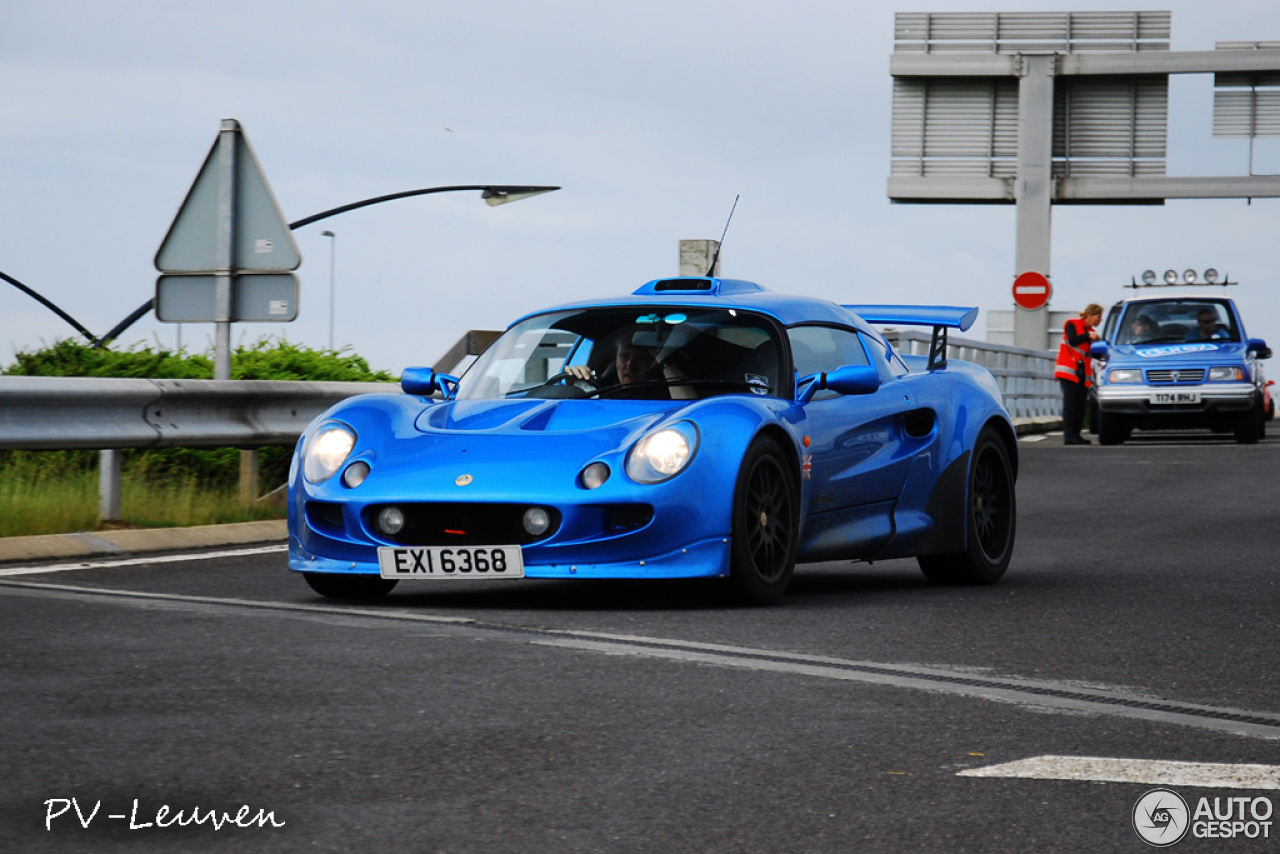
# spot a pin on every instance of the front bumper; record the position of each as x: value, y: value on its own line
x: 683, y: 533
x: 705, y: 559
x: 1215, y: 399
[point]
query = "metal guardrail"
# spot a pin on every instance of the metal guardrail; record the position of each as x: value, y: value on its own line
x: 1025, y: 376
x: 54, y: 413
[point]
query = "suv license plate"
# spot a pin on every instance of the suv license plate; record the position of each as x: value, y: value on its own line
x: 1166, y: 397
x: 433, y: 562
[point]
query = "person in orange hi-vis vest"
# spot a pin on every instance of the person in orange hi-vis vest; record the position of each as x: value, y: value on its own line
x: 1075, y: 370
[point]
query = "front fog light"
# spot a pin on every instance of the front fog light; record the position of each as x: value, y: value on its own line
x: 536, y: 521
x: 391, y: 521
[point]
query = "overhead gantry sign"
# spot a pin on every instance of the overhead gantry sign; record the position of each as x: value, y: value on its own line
x: 1044, y: 108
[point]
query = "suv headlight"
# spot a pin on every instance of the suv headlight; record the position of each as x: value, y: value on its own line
x: 664, y: 453
x: 326, y: 450
x: 1125, y: 375
x: 1226, y: 374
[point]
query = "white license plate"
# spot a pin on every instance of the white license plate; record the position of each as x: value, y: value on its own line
x: 431, y: 562
x: 1159, y: 397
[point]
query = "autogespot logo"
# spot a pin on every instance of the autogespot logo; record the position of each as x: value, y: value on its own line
x: 1160, y: 817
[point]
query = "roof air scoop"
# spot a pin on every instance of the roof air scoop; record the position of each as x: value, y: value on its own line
x: 687, y: 283
x: 700, y: 285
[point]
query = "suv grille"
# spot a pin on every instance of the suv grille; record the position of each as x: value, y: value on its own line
x: 1179, y: 375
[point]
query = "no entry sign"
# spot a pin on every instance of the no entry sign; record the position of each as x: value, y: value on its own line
x: 1031, y: 290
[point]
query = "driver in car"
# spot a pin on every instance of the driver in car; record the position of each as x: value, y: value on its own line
x: 1207, y: 327
x: 634, y: 364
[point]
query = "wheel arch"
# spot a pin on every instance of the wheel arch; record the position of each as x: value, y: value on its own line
x: 950, y: 532
x: 788, y: 446
x: 1009, y: 436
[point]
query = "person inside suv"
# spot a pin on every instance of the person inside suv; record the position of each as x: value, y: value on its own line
x: 1207, y: 327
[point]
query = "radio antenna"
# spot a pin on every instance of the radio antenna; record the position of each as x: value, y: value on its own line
x: 712, y: 269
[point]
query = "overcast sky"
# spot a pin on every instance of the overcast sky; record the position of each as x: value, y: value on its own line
x: 652, y: 116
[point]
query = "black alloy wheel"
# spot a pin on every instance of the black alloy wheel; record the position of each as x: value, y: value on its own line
x: 765, y: 525
x: 991, y: 520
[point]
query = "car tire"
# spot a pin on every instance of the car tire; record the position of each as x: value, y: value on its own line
x: 1249, y: 426
x: 991, y: 517
x: 341, y: 586
x: 765, y: 525
x: 1113, y: 429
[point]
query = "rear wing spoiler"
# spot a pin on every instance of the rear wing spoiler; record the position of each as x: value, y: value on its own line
x: 940, y: 317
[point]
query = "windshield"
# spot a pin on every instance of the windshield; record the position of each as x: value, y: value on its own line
x: 647, y: 353
x: 1177, y: 320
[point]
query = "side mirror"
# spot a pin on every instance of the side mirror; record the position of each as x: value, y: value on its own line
x: 1099, y: 350
x: 425, y: 382
x: 1259, y: 348
x: 850, y: 379
x: 853, y: 379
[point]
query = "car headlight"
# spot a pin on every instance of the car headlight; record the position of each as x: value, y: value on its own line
x: 664, y: 453
x: 1226, y: 374
x: 326, y: 450
x: 1125, y: 375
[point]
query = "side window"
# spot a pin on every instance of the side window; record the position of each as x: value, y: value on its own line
x: 897, y: 367
x: 824, y: 348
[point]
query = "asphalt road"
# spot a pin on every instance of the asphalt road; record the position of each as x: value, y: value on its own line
x: 1137, y: 622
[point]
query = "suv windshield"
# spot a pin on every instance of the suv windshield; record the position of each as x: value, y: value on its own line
x: 1177, y: 320
x: 636, y: 352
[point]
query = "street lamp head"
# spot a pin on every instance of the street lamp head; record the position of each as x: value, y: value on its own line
x: 327, y: 234
x: 502, y: 195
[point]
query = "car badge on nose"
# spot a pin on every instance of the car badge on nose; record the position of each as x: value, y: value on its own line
x: 1176, y: 376
x: 463, y: 479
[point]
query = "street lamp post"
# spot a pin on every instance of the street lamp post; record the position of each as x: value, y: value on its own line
x: 493, y: 194
x: 333, y: 243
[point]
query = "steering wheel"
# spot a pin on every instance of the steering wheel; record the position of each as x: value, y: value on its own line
x: 588, y: 385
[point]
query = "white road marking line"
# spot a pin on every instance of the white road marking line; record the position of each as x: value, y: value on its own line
x: 212, y: 603
x: 1030, y: 693
x: 1206, y: 775
x: 136, y: 561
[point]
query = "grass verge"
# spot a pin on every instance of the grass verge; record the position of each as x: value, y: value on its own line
x: 34, y: 502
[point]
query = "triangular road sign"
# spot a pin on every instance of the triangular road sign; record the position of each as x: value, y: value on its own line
x: 230, y: 192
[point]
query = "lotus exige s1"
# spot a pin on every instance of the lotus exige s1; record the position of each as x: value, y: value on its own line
x: 700, y: 427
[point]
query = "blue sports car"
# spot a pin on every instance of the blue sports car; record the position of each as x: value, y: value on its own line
x: 700, y: 427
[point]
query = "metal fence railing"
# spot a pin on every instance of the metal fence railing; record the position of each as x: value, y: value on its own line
x: 109, y: 414
x: 54, y: 413
x: 1025, y: 376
